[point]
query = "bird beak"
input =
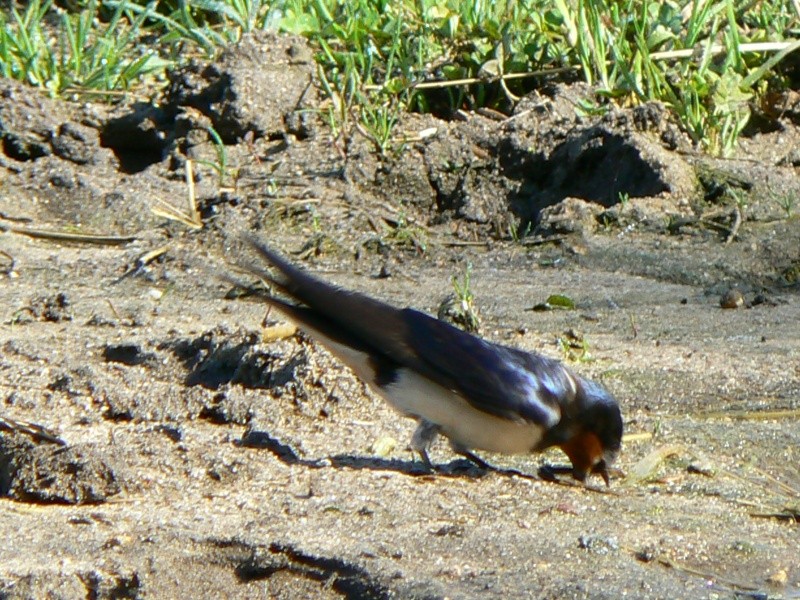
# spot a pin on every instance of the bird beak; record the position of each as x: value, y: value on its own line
x: 599, y: 469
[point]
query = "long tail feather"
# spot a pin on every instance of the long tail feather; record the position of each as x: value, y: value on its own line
x: 373, y: 323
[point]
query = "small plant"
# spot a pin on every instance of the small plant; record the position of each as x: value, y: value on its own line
x: 517, y: 232
x: 377, y: 123
x: 786, y: 202
x: 709, y: 61
x: 402, y: 233
x: 739, y: 198
x: 574, y: 347
x: 316, y: 220
x: 459, y: 307
x: 336, y: 113
x: 220, y: 166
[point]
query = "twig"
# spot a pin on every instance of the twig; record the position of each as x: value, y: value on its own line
x: 37, y: 432
x: 785, y: 514
x: 278, y: 331
x: 5, y: 217
x: 714, y: 49
x: 63, y: 236
x: 784, y: 486
x: 144, y: 260
x: 192, y: 198
x: 642, y: 470
x: 536, y: 241
x: 8, y: 269
x: 748, y: 415
x: 637, y: 437
x: 192, y: 218
x: 113, y: 310
x: 668, y: 562
x: 634, y: 328
x: 426, y: 85
x: 737, y: 221
x: 458, y: 243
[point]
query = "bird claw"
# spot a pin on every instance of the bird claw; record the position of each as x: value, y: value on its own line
x: 551, y: 472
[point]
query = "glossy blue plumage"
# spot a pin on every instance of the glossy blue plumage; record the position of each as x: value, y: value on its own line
x: 479, y: 394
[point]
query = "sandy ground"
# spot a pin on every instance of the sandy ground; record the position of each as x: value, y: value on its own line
x: 203, y: 458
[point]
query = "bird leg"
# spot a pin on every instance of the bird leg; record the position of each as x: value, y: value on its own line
x: 472, y: 457
x: 424, y: 435
x: 477, y: 461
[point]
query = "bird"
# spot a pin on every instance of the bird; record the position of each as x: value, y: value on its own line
x: 478, y: 394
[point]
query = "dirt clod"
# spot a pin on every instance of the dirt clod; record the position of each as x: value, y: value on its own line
x: 50, y: 473
x: 733, y: 298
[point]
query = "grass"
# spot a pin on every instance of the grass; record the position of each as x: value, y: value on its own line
x: 786, y: 201
x: 402, y: 233
x: 459, y: 307
x: 221, y: 166
x: 710, y: 61
x: 574, y: 347
x: 65, y: 52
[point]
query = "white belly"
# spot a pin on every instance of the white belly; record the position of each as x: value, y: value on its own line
x: 463, y: 424
x: 415, y: 396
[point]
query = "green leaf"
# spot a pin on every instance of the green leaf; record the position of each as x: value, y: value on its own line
x: 561, y: 301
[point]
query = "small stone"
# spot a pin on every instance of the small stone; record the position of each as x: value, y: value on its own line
x: 597, y: 544
x: 701, y: 468
x: 733, y: 298
x: 778, y: 578
x: 384, y: 446
x: 646, y: 554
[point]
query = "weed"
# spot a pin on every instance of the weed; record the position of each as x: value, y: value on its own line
x: 739, y: 198
x: 786, y: 201
x: 574, y: 347
x: 708, y: 60
x: 403, y: 233
x: 85, y: 54
x: 220, y: 166
x: 459, y: 307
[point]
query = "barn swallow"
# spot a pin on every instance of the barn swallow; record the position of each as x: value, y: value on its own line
x: 479, y: 395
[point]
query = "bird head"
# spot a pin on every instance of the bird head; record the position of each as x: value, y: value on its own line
x: 596, y: 433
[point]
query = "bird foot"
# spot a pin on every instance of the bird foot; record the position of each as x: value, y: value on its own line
x: 551, y: 472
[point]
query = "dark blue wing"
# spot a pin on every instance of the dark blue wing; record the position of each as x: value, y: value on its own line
x: 495, y: 379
